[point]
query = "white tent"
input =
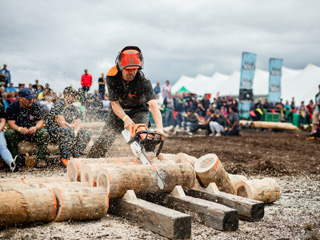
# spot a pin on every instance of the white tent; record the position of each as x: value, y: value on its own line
x: 302, y: 84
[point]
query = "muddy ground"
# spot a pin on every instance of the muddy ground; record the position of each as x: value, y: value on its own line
x: 286, y: 156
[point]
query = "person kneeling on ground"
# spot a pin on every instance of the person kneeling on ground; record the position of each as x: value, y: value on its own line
x: 315, y: 134
x: 26, y: 124
x: 64, y: 127
x: 192, y: 120
x: 217, y: 124
x: 4, y: 151
x: 233, y: 120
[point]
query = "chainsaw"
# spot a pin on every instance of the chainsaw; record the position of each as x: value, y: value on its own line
x: 141, y: 141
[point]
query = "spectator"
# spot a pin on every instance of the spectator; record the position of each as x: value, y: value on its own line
x: 315, y: 117
x: 35, y: 86
x: 5, y: 75
x: 180, y: 106
x: 39, y: 89
x: 2, y: 90
x: 102, y: 86
x: 31, y: 88
x: 258, y: 105
x: 217, y: 124
x: 11, y: 88
x: 315, y: 134
x: 25, y: 122
x: 233, y: 122
x: 292, y: 110
x: 309, y: 108
x: 13, y: 163
x: 267, y: 105
x: 86, y: 81
x: 12, y: 97
x: 106, y: 106
x: 204, y: 123
x: 157, y: 88
x: 302, y: 114
x: 166, y: 89
x: 64, y: 127
x: 223, y: 111
x: 5, y: 101
x: 192, y: 120
x: 168, y: 114
x: 204, y: 105
x: 96, y: 94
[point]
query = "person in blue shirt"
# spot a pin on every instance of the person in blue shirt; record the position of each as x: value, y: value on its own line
x: 11, y: 88
x: 157, y: 88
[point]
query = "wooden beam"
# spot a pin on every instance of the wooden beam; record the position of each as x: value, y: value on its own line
x: 166, y: 222
x: 206, y: 212
x: 248, y: 209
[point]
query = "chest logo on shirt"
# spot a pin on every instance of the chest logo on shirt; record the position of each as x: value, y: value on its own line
x: 31, y: 117
x: 132, y: 95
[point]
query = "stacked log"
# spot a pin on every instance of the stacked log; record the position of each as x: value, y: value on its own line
x: 266, y: 190
x: 25, y: 206
x: 45, y: 180
x: 81, y: 203
x: 210, y: 169
x: 9, y: 186
x: 142, y: 178
x: 235, y: 178
x: 75, y: 164
x: 64, y: 185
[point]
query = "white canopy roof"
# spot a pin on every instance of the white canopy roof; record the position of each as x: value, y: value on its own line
x: 301, y: 84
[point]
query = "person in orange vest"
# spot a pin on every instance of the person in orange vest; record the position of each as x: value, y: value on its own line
x: 131, y: 96
x: 86, y: 81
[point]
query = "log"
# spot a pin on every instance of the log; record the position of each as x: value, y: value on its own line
x: 206, y: 212
x: 142, y: 178
x: 89, y: 172
x: 248, y: 209
x: 275, y: 125
x: 266, y: 190
x: 16, y: 186
x: 81, y: 203
x: 74, y: 164
x: 185, y: 158
x: 235, y: 178
x: 28, y: 205
x: 210, y: 169
x: 45, y: 180
x: 164, y: 221
x: 64, y: 185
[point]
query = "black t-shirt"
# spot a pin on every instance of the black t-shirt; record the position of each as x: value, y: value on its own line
x: 130, y: 95
x: 70, y: 114
x: 2, y: 113
x: 205, y: 103
x: 24, y: 117
x: 102, y: 87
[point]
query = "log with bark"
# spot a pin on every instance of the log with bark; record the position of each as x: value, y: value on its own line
x: 45, y: 180
x: 266, y: 190
x: 81, y: 203
x: 28, y: 205
x: 275, y: 125
x: 65, y: 185
x: 210, y: 169
x: 235, y: 178
x: 143, y: 179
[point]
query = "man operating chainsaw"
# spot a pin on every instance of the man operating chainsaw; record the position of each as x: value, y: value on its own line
x: 131, y: 96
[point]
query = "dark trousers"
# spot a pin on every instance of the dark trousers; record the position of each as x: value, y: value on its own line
x: 233, y: 132
x: 40, y: 137
x: 68, y: 144
x: 113, y: 127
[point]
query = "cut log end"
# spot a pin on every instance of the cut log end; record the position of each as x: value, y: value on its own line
x: 206, y: 163
x: 72, y: 170
x: 103, y: 180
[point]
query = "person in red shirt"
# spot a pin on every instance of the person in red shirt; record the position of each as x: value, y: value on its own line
x: 86, y: 81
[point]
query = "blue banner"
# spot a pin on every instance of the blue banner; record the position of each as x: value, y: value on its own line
x: 248, y: 66
x: 275, y: 73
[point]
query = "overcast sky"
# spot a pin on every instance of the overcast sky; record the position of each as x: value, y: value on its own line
x: 54, y: 41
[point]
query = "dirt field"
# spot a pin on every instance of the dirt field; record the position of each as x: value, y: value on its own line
x: 288, y: 157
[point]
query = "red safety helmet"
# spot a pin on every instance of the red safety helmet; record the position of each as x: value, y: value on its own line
x: 129, y: 57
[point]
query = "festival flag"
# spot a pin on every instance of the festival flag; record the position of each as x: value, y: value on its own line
x: 275, y: 73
